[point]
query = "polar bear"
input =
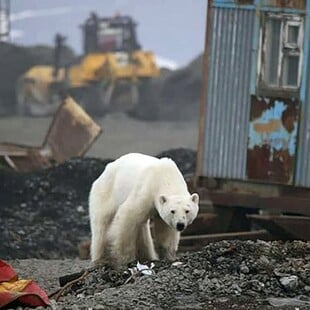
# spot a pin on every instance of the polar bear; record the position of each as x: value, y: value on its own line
x: 131, y: 191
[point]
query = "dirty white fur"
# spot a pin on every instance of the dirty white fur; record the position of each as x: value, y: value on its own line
x: 132, y: 190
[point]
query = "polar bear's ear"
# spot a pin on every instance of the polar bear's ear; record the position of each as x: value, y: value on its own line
x: 162, y: 199
x: 195, y: 198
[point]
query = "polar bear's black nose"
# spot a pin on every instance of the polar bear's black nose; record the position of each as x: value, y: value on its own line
x: 180, y: 226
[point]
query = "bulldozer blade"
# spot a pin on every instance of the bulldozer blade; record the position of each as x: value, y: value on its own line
x: 134, y: 95
x: 108, y: 95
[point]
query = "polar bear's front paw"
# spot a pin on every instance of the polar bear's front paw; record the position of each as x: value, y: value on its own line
x: 166, y: 253
x: 101, y: 262
x: 122, y: 255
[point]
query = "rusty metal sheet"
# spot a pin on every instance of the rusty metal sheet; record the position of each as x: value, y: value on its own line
x: 290, y: 4
x: 72, y: 131
x: 244, y: 2
x: 12, y: 149
x: 23, y: 158
x: 33, y: 161
x: 272, y: 139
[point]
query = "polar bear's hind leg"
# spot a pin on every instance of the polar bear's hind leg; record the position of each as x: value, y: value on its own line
x: 101, y: 211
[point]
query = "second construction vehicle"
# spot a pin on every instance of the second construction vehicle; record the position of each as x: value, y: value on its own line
x: 110, y: 75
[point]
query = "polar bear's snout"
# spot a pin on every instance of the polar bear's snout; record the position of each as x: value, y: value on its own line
x: 180, y: 226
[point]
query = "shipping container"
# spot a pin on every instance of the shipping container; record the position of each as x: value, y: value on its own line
x: 254, y: 130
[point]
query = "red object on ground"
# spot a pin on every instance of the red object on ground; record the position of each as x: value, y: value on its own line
x: 26, y: 292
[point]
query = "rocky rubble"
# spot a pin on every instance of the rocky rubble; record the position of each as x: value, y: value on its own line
x: 226, y: 268
x: 223, y: 275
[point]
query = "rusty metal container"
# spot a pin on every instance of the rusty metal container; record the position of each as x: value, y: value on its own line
x: 255, y: 121
x: 254, y: 130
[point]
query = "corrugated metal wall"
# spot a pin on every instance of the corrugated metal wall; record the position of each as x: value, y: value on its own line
x: 302, y: 175
x: 228, y: 97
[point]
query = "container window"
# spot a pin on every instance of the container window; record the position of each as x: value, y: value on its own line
x: 290, y: 70
x: 280, y: 53
x: 292, y: 34
x: 273, y: 28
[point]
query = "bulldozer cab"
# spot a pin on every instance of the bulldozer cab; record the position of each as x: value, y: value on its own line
x: 109, y: 34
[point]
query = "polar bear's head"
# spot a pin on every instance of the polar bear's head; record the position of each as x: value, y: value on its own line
x: 178, y: 211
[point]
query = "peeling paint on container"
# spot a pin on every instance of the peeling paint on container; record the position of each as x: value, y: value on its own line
x: 272, y: 139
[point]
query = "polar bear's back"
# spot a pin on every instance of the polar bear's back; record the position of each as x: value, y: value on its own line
x: 136, y: 161
x: 122, y: 175
x: 132, y: 170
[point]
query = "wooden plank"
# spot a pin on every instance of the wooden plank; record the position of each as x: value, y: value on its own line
x: 201, y: 225
x: 284, y: 226
x: 201, y: 240
x: 10, y: 149
x: 287, y: 204
x: 234, y: 199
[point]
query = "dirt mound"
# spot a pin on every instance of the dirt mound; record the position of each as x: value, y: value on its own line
x: 44, y: 214
x: 174, y: 96
x: 16, y: 60
x: 183, y: 86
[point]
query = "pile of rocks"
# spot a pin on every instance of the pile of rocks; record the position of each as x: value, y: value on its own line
x: 225, y: 272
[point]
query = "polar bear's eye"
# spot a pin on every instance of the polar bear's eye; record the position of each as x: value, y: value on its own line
x: 186, y: 211
x: 172, y: 211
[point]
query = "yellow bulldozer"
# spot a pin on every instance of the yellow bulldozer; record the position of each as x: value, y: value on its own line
x: 110, y: 75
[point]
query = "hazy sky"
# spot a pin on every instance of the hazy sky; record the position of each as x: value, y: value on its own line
x: 173, y: 29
